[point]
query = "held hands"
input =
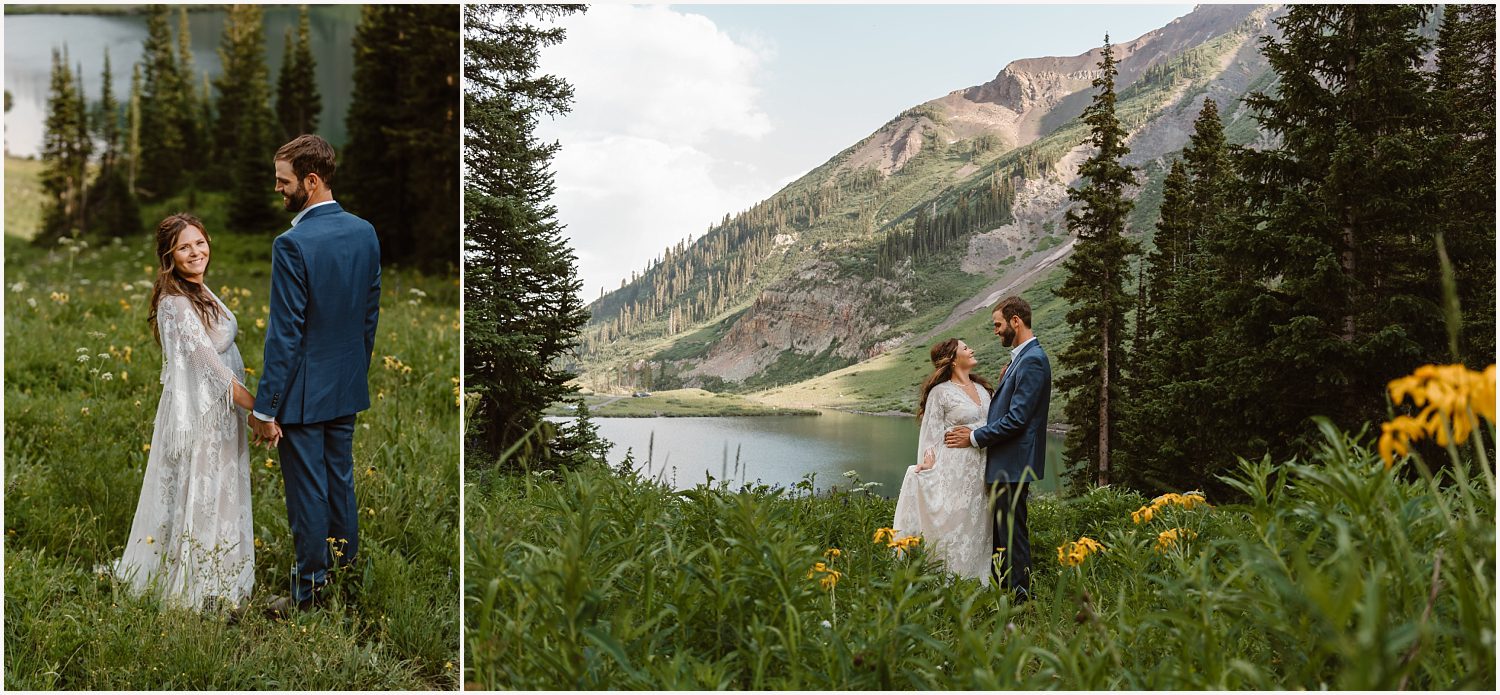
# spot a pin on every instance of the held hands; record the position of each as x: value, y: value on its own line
x: 957, y: 438
x: 267, y: 433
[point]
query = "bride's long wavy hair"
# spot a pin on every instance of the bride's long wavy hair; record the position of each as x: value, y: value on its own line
x: 942, y: 356
x: 169, y: 281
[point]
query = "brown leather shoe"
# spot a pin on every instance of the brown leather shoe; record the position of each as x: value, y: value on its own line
x: 282, y: 607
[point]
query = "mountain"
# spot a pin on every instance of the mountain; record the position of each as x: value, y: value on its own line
x: 830, y: 291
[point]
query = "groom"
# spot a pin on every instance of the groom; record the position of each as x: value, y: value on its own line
x: 325, y: 302
x: 1015, y: 441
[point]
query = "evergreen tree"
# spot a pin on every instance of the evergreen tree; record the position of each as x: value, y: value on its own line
x: 114, y: 210
x: 522, y: 312
x: 64, y: 159
x: 297, y: 100
x: 400, y: 166
x: 83, y: 143
x: 109, y: 119
x: 1095, y: 284
x: 133, y: 129
x: 163, y: 145
x: 1339, y: 246
x: 1465, y: 93
x: 195, y: 130
x: 1176, y: 403
x: 245, y: 125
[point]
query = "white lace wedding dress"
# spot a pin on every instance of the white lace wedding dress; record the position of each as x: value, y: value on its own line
x: 947, y: 504
x: 192, y: 540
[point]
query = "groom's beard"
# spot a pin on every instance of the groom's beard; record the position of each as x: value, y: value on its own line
x: 296, y: 200
x: 1007, y: 337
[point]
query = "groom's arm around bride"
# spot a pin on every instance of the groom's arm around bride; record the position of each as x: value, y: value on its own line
x: 1014, y: 439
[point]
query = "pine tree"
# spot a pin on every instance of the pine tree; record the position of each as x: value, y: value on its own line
x: 133, y: 132
x: 245, y: 125
x: 400, y: 168
x: 114, y: 210
x: 1339, y: 242
x: 163, y: 145
x: 1095, y: 284
x: 1176, y: 403
x: 194, y: 129
x: 63, y: 159
x: 83, y: 144
x: 109, y: 120
x: 522, y: 312
x: 297, y: 100
x: 1465, y: 93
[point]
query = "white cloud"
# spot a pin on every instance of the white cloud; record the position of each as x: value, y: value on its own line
x: 656, y: 93
x: 625, y: 198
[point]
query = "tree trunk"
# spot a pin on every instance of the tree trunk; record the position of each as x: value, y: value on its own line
x: 1104, y: 407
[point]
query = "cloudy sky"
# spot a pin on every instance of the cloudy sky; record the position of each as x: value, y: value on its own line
x: 685, y: 112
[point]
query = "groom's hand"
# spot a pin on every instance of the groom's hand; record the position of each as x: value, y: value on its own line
x: 266, y: 432
x: 957, y: 438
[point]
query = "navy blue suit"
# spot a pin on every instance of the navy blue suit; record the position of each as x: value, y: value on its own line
x: 325, y: 303
x: 1015, y: 444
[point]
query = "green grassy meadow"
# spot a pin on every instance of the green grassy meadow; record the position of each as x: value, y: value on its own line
x: 678, y: 403
x: 81, y: 389
x: 1338, y: 573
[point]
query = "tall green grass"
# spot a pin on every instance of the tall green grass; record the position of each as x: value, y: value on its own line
x: 1338, y: 574
x: 75, y: 433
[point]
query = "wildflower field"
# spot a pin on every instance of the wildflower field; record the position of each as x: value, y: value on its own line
x: 1344, y: 568
x: 81, y: 388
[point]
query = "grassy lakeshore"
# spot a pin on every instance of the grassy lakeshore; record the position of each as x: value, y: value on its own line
x: 81, y: 389
x: 680, y: 403
x: 1339, y: 573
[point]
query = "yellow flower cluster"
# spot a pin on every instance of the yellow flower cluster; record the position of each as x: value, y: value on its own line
x: 1450, y: 396
x: 1190, y: 500
x: 1168, y: 538
x: 827, y: 576
x: 396, y: 365
x: 888, y: 536
x: 1073, y: 553
x: 60, y: 297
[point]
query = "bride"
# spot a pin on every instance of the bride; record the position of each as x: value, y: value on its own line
x: 191, y: 543
x: 942, y: 497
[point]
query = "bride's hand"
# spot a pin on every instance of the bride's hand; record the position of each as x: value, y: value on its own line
x: 927, y: 461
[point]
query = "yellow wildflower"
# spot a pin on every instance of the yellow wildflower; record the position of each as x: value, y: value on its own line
x: 832, y: 553
x: 1143, y: 514
x: 1073, y: 553
x: 1452, y: 399
x: 146, y: 447
x: 1168, y: 538
x: 884, y: 535
x: 830, y: 576
x: 260, y: 323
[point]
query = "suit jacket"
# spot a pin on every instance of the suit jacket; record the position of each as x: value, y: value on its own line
x: 325, y: 302
x: 1015, y: 439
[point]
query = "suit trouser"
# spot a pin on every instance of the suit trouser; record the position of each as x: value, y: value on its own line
x: 1008, y: 504
x: 317, y: 463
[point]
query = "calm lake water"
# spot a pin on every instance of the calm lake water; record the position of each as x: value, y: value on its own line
x: 780, y: 450
x: 29, y: 40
